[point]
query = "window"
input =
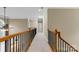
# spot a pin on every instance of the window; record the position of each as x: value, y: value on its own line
x: 2, y: 33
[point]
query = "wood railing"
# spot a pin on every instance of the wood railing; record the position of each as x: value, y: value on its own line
x: 18, y: 42
x: 58, y: 44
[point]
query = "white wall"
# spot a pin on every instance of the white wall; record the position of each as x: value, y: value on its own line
x: 67, y: 22
x: 33, y: 23
x: 45, y: 22
x: 17, y: 25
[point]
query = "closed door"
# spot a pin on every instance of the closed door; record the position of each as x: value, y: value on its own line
x: 40, y: 25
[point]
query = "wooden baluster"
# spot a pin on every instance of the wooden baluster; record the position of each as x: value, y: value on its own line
x: 56, y: 43
x: 65, y: 47
x: 13, y: 44
x: 19, y: 43
x: 72, y: 50
x: 5, y: 46
x: 60, y: 45
x: 10, y: 45
x: 22, y: 41
x: 16, y: 43
x: 59, y: 41
x: 69, y: 49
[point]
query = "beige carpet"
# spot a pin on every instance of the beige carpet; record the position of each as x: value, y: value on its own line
x: 39, y: 44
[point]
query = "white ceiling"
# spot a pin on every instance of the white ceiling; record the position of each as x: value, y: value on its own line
x: 20, y: 12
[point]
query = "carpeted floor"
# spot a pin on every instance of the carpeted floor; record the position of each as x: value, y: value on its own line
x: 39, y: 44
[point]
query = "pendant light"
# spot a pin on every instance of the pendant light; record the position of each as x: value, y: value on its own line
x: 5, y: 20
x: 5, y: 26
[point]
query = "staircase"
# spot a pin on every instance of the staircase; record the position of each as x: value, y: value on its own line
x: 58, y: 44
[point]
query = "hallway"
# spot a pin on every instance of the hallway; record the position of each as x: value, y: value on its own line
x: 39, y: 44
x: 37, y: 29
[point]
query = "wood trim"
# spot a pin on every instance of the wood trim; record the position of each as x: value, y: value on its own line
x: 11, y: 36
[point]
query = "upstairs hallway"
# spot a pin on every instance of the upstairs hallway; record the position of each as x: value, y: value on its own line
x: 39, y: 44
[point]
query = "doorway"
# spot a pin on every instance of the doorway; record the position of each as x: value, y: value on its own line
x: 40, y: 25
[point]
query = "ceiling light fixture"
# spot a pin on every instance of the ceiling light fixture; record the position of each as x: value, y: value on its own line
x: 5, y: 26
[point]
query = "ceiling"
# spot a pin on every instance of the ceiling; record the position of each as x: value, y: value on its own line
x: 20, y: 12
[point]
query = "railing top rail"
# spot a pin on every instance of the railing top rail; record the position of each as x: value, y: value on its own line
x: 13, y: 35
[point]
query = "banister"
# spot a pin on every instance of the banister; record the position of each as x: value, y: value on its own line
x: 58, y: 46
x: 10, y: 36
x: 13, y: 35
x: 59, y: 35
x: 16, y: 42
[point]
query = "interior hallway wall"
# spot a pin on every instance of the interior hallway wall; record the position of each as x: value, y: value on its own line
x: 33, y: 23
x: 17, y: 25
x: 45, y: 22
x: 67, y: 22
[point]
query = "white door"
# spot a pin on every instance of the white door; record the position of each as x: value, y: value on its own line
x: 40, y: 25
